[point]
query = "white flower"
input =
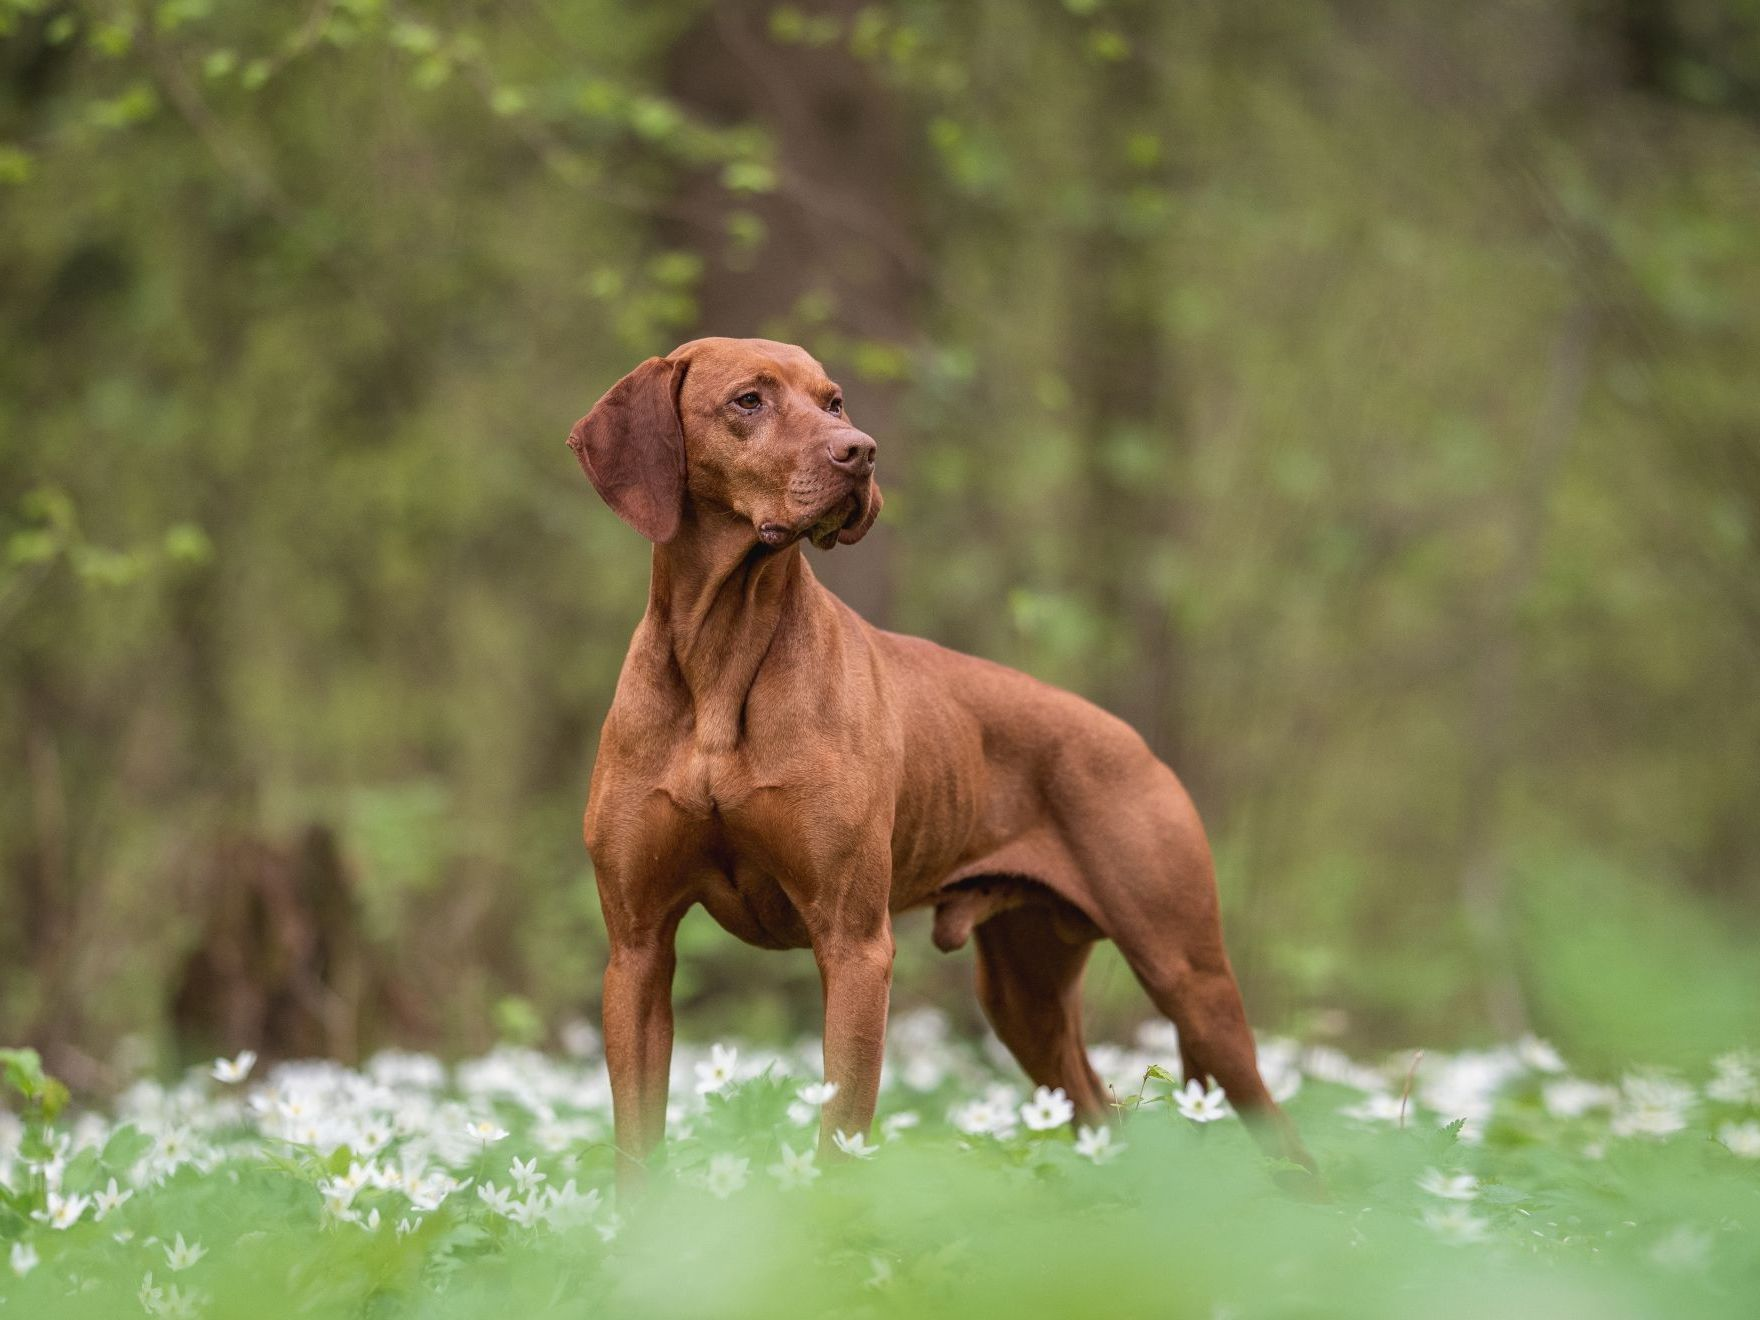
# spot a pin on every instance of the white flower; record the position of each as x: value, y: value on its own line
x: 1651, y: 1106
x: 800, y: 1113
x: 24, y: 1258
x: 1097, y: 1144
x: 1449, y: 1186
x: 902, y: 1121
x: 498, y: 1199
x: 817, y: 1094
x: 1456, y: 1224
x: 176, y: 1304
x: 986, y: 1117
x: 854, y: 1144
x: 1047, y: 1109
x: 107, y: 1200
x: 526, y: 1175
x: 337, y: 1200
x: 62, y: 1212
x: 531, y: 1211
x: 1741, y: 1139
x: 234, y: 1070
x: 181, y: 1255
x: 152, y: 1299
x: 485, y: 1130
x: 1539, y: 1055
x: 1377, y: 1107
x: 794, y: 1169
x: 727, y: 1174
x: 717, y: 1073
x: 1736, y: 1080
x: 568, y: 1206
x: 1572, y: 1097
x: 1200, y: 1104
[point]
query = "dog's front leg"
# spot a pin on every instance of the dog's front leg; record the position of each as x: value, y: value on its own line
x: 638, y: 1046
x: 857, y: 973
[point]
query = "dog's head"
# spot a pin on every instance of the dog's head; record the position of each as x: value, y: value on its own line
x: 742, y: 428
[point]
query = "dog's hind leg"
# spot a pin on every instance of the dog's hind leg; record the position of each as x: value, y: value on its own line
x: 1029, y: 971
x: 1197, y: 989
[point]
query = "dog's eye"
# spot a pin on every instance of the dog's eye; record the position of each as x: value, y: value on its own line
x: 751, y: 401
x: 835, y: 407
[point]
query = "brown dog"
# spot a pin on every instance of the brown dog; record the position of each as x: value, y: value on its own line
x: 804, y: 775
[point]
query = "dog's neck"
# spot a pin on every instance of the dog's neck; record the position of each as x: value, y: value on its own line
x: 717, y: 597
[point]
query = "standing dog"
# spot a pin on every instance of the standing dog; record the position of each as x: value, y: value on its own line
x: 804, y: 776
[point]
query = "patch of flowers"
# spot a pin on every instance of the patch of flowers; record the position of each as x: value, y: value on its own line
x: 442, y: 1170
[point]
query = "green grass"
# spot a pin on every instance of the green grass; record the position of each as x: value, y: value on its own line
x: 1634, y: 1207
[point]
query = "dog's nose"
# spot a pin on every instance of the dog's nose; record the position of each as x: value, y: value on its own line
x: 854, y: 453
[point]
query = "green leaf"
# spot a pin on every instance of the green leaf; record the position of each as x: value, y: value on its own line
x: 750, y: 176
x: 23, y: 1070
x: 126, y: 1145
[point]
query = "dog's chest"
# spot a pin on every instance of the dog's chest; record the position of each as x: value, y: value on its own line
x: 707, y: 779
x: 734, y: 811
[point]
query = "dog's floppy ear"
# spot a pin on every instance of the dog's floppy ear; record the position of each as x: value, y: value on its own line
x: 632, y: 446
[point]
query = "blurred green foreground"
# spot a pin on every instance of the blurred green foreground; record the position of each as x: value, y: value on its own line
x: 403, y: 1190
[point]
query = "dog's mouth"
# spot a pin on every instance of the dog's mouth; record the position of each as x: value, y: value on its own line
x: 822, y: 530
x: 847, y: 512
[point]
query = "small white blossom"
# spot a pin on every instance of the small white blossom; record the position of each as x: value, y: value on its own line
x: 1449, y: 1186
x: 180, y: 1255
x: 1651, y: 1105
x: 498, y: 1199
x: 1456, y: 1224
x: 1047, y: 1109
x: 110, y: 1198
x: 1735, y: 1080
x: 485, y: 1130
x: 1096, y: 1144
x: 818, y: 1094
x: 717, y: 1073
x: 854, y: 1144
x: 24, y: 1258
x: 567, y: 1206
x: 727, y: 1174
x: 985, y: 1117
x: 902, y: 1121
x: 1539, y: 1055
x: 61, y: 1212
x: 234, y: 1070
x: 1199, y: 1103
x: 794, y: 1169
x: 525, y: 1175
x: 1741, y: 1139
x: 1572, y: 1097
x: 1377, y: 1107
x: 531, y: 1211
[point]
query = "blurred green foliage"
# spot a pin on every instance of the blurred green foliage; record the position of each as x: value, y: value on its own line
x: 1357, y: 398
